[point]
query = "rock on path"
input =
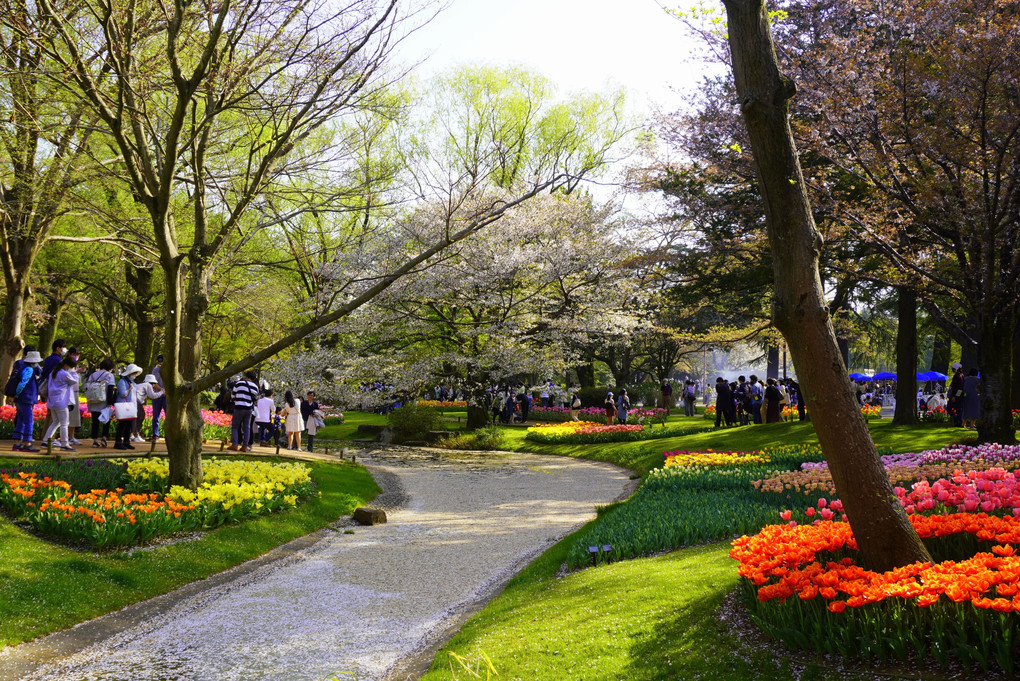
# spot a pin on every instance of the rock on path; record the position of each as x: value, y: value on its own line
x: 362, y: 605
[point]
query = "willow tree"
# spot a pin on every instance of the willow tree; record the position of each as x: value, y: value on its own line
x: 883, y: 532
x: 216, y: 107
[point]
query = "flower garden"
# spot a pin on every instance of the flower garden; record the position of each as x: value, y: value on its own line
x: 801, y: 577
x: 217, y: 424
x: 597, y: 415
x: 592, y: 432
x: 115, y: 504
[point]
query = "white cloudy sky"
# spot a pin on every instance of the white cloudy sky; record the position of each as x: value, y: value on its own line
x: 579, y: 44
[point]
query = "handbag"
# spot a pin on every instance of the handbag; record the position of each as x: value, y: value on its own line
x: 125, y: 411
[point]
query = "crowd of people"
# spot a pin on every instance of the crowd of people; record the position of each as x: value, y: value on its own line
x: 119, y: 398
x: 746, y: 401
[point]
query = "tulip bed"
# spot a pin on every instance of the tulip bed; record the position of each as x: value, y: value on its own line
x: 598, y: 415
x: 216, y: 424
x: 963, y: 501
x: 706, y: 496
x: 587, y: 432
x: 136, y: 505
x: 803, y: 586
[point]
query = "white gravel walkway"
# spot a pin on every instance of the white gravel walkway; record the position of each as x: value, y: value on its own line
x: 360, y: 605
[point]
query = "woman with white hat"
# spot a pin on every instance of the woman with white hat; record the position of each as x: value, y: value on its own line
x: 148, y: 389
x: 26, y: 394
x: 126, y: 396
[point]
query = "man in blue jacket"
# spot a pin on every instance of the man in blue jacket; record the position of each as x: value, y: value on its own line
x: 25, y: 396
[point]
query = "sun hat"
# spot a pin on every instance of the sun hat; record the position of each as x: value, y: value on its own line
x: 956, y: 365
x: 609, y: 394
x: 33, y: 357
x: 131, y: 370
x: 149, y: 378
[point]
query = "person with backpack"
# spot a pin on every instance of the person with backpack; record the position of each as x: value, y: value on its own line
x: 61, y: 393
x: 126, y: 395
x: 99, y: 394
x: 23, y: 387
x: 622, y: 406
x: 690, y: 398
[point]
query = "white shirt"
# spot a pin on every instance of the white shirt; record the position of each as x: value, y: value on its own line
x: 145, y: 391
x: 264, y: 410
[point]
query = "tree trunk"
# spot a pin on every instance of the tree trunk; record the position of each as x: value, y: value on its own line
x: 940, y: 352
x: 772, y: 366
x: 883, y: 532
x: 996, y: 363
x: 140, y: 281
x: 586, y: 375
x: 54, y: 307
x: 183, y: 428
x: 12, y: 343
x: 477, y: 417
x: 1016, y: 357
x: 906, y: 358
x: 844, y: 349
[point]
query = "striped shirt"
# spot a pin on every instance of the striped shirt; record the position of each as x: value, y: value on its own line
x: 245, y: 394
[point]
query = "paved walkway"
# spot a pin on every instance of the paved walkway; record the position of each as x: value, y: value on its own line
x: 369, y: 605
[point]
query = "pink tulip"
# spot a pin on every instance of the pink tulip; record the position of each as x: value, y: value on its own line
x: 785, y: 515
x: 822, y: 503
x: 809, y: 512
x: 827, y: 514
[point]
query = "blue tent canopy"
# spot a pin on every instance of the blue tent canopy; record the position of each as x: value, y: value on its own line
x: 885, y: 376
x: 859, y: 377
x: 936, y: 376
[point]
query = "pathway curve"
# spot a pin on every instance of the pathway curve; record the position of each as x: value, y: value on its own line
x: 367, y: 605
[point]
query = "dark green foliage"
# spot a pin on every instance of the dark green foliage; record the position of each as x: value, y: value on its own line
x: 412, y: 422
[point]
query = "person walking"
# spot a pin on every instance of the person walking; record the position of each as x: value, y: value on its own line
x: 59, y: 348
x: 74, y: 409
x: 125, y: 394
x: 622, y: 406
x: 575, y: 405
x: 956, y: 393
x: 724, y: 406
x: 610, y: 407
x: 99, y: 393
x: 667, y: 396
x: 62, y: 391
x: 690, y: 398
x: 308, y: 408
x: 148, y: 389
x: 970, y: 404
x: 264, y: 410
x: 772, y: 402
x: 757, y: 391
x: 243, y: 398
x: 158, y: 403
x: 26, y: 394
x: 292, y: 423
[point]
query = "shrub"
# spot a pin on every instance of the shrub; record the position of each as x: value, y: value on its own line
x: 488, y: 439
x: 412, y: 422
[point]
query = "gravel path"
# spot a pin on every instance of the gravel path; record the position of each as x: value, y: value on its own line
x: 375, y: 603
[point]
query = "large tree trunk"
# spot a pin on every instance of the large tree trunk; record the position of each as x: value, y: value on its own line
x: 1016, y: 357
x: 883, y: 532
x: 11, y: 342
x: 996, y: 363
x: 586, y: 375
x: 906, y: 358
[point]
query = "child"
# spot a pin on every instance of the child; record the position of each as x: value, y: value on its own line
x: 263, y: 416
x: 62, y: 391
x: 25, y: 396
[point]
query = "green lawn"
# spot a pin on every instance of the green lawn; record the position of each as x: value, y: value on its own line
x: 349, y: 429
x: 642, y: 456
x: 45, y: 587
x: 652, y: 618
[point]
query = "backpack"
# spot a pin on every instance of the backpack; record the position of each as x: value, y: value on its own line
x: 95, y: 391
x: 11, y: 387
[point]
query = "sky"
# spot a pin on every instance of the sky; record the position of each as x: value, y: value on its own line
x: 578, y: 44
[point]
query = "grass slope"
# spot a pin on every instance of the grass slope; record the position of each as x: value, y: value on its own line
x: 46, y: 587
x: 638, y: 620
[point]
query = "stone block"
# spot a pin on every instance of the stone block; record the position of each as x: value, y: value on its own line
x: 369, y: 516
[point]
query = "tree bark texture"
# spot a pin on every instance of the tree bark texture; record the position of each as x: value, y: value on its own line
x: 906, y: 358
x: 772, y: 363
x: 1016, y: 374
x: 940, y: 352
x: 11, y: 343
x: 883, y: 532
x: 54, y: 307
x: 995, y: 360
